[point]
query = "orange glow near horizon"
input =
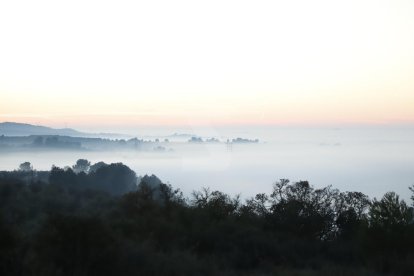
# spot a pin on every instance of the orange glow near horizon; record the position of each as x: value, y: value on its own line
x: 103, y: 63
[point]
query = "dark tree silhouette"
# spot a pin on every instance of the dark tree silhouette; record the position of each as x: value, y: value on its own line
x: 100, y: 222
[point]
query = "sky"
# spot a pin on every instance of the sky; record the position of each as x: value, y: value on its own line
x: 130, y: 63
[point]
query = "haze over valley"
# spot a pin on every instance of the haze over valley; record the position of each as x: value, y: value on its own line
x: 220, y: 137
x: 372, y: 159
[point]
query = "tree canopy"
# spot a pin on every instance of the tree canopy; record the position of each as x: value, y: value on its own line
x: 101, y: 221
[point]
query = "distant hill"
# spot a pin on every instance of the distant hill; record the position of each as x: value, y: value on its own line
x: 20, y: 129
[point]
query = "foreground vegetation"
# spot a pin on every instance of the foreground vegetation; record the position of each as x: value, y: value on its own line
x: 96, y: 220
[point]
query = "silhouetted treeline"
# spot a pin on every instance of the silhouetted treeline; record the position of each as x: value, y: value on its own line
x: 56, y: 142
x: 115, y: 179
x: 96, y: 220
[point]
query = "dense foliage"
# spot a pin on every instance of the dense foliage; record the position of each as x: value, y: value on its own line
x: 95, y: 220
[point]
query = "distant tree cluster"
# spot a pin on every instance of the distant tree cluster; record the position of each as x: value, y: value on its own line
x: 244, y: 141
x: 195, y: 140
x: 95, y: 220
